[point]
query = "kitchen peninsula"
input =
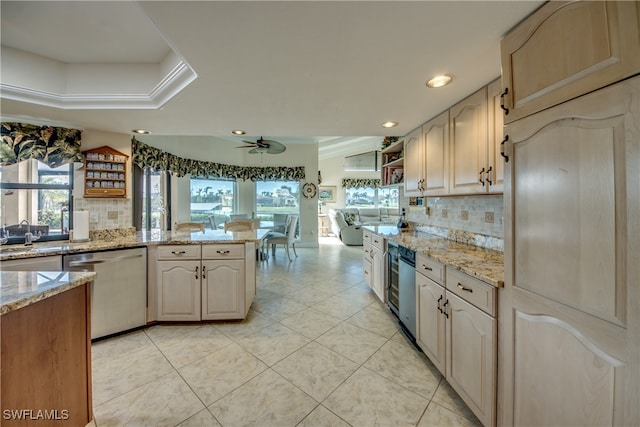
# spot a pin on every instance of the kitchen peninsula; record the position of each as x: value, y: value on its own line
x: 46, y: 348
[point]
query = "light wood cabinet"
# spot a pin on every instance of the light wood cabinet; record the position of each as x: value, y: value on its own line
x: 570, y: 314
x: 413, y: 164
x: 566, y: 49
x: 209, y: 282
x: 457, y: 330
x: 468, y: 142
x: 430, y: 323
x: 178, y: 293
x: 105, y: 173
x: 472, y: 356
x: 494, y: 176
x: 435, y: 137
x: 44, y: 263
x: 374, y: 263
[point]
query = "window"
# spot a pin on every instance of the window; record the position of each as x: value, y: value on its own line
x: 371, y: 197
x: 277, y: 197
x: 212, y: 201
x: 153, y: 206
x: 38, y: 194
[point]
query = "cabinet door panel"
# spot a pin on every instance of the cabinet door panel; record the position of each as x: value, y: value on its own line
x: 472, y: 357
x: 435, y: 135
x: 223, y: 290
x: 413, y: 163
x: 377, y: 266
x: 468, y: 144
x: 179, y: 290
x: 430, y: 334
x: 566, y: 49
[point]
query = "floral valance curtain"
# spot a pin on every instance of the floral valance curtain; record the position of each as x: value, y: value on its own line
x: 360, y: 183
x: 146, y: 156
x: 54, y: 146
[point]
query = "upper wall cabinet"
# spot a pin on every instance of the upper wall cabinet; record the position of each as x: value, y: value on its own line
x: 435, y: 137
x: 413, y: 164
x: 566, y: 49
x: 468, y: 144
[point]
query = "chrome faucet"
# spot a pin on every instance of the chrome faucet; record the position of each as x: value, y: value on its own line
x: 29, y: 238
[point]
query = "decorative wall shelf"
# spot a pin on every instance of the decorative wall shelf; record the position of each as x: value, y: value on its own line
x: 105, y: 173
x: 393, y: 164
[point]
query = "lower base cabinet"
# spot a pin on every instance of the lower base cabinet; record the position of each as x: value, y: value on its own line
x: 204, y: 282
x: 459, y: 338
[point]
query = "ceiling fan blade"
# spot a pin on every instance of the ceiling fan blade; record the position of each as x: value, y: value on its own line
x: 275, y: 147
x: 249, y: 142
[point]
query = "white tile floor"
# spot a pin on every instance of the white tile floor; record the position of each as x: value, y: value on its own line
x: 318, y: 349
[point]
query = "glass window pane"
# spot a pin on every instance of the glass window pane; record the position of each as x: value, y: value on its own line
x: 361, y: 197
x: 212, y: 201
x: 388, y: 198
x: 153, y: 203
x: 277, y: 197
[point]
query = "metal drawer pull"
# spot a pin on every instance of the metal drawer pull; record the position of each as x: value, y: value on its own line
x: 444, y: 309
x: 375, y: 241
x: 502, y: 95
x: 502, y: 148
x: 489, y: 175
x: 178, y: 252
x: 463, y: 288
x: 427, y: 268
x: 222, y: 252
x: 196, y: 272
x: 440, y: 299
x: 480, y: 179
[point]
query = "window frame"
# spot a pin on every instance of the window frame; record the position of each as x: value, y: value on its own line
x: 40, y: 186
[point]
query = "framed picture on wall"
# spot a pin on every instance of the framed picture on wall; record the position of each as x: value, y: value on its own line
x: 327, y: 193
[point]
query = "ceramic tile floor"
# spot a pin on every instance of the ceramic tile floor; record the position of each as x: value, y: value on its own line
x: 317, y: 349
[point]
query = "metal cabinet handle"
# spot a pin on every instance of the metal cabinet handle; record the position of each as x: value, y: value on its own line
x: 196, y: 272
x: 440, y: 299
x: 178, y: 252
x: 444, y: 309
x: 489, y: 175
x: 427, y: 268
x: 461, y: 286
x: 222, y: 252
x: 502, y: 148
x: 502, y: 95
x: 203, y: 270
x: 481, y: 180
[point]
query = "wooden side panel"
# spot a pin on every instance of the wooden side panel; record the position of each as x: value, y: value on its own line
x: 46, y: 360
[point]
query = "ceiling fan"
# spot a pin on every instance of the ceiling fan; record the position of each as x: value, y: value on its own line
x: 264, y: 146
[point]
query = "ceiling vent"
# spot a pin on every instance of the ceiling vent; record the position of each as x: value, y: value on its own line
x: 365, y: 162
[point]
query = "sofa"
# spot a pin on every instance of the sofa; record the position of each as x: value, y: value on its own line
x: 347, y: 223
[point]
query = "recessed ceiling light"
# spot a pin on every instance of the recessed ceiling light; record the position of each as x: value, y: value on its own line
x: 141, y: 131
x: 389, y: 124
x: 238, y: 132
x: 441, y: 80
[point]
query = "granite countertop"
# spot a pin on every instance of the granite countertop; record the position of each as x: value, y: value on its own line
x: 484, y: 264
x: 130, y: 241
x: 19, y: 289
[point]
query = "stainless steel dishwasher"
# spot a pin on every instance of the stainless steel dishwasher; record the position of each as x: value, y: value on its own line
x: 407, y: 291
x: 119, y: 293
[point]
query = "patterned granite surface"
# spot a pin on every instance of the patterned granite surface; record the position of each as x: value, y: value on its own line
x: 115, y: 239
x: 21, y: 288
x: 484, y: 264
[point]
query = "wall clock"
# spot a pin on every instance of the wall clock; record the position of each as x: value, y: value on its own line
x: 309, y: 190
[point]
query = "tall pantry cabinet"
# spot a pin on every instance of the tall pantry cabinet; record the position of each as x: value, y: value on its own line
x: 569, y: 319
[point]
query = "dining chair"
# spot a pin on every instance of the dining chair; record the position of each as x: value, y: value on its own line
x: 240, y: 225
x: 190, y: 226
x: 280, y: 222
x: 287, y: 238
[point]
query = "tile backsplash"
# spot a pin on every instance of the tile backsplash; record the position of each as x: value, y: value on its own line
x: 105, y: 213
x: 482, y: 214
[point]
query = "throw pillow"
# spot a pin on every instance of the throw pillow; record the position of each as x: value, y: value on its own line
x: 349, y: 218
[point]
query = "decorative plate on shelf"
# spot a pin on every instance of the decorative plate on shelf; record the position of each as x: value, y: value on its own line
x: 309, y: 190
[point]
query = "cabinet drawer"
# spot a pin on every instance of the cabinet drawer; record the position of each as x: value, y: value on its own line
x: 377, y: 241
x: 224, y: 251
x: 472, y: 290
x: 431, y: 268
x: 366, y: 235
x: 172, y: 252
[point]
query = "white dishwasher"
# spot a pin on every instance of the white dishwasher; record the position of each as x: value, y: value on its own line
x: 119, y: 293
